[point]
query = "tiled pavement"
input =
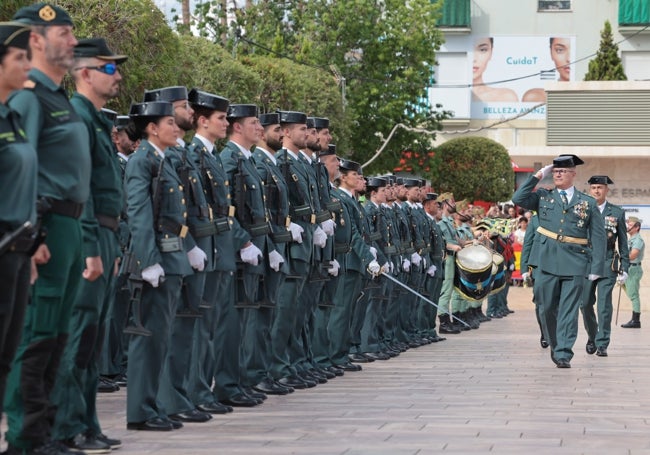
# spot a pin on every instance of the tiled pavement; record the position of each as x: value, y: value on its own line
x: 492, y: 390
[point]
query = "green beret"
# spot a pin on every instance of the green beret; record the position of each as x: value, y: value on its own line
x: 43, y: 14
x: 14, y: 34
x: 97, y: 48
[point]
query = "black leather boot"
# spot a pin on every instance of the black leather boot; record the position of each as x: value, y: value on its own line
x: 633, y: 323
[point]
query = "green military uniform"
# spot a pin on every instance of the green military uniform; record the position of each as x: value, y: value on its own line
x: 528, y: 264
x: 157, y: 215
x: 354, y: 255
x: 446, y: 302
x: 599, y: 330
x: 61, y: 140
x: 76, y: 389
x: 635, y: 274
x: 217, y: 359
x: 572, y: 245
x: 18, y: 175
x: 433, y: 283
x: 286, y: 332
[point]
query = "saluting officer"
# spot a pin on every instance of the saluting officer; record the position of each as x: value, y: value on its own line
x: 572, y: 246
x: 617, y: 262
x: 97, y: 80
x: 157, y: 215
x: 61, y: 141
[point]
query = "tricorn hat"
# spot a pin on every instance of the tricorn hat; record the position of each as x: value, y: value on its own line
x: 207, y: 100
x: 109, y: 114
x: 43, y: 14
x: 121, y: 122
x: 330, y: 150
x: 152, y: 109
x: 242, y: 111
x: 166, y: 94
x: 600, y: 180
x: 564, y: 161
x: 14, y: 34
x: 376, y: 182
x: 349, y: 165
x: 431, y: 197
x: 97, y: 48
x: 272, y: 118
x: 292, y: 117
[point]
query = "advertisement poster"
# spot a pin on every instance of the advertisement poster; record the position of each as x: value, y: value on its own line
x: 509, y: 73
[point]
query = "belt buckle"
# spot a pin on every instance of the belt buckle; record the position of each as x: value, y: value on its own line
x: 560, y: 238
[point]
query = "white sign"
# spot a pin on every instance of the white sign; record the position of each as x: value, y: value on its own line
x: 640, y: 211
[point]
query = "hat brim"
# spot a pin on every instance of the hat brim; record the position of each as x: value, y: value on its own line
x: 113, y: 58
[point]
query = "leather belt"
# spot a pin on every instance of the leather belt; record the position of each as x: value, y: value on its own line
x: 342, y: 248
x: 65, y: 207
x: 109, y: 222
x: 634, y: 265
x: 172, y: 227
x: 562, y: 238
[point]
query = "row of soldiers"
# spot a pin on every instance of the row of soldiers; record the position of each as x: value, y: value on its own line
x: 250, y: 271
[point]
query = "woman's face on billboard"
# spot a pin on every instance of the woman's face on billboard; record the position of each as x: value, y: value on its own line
x: 482, y: 55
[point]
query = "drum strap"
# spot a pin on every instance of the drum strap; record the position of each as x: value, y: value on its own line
x: 478, y: 286
x: 562, y: 238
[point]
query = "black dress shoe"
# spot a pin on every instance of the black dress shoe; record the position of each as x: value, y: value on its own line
x: 336, y: 370
x: 259, y: 396
x: 86, y: 444
x: 120, y: 380
x: 377, y: 355
x: 293, y: 382
x: 309, y: 380
x: 155, y: 424
x: 563, y: 363
x: 105, y: 385
x: 542, y: 342
x: 327, y: 373
x: 591, y: 347
x: 358, y: 358
x: 193, y: 416
x: 176, y: 424
x: 241, y: 400
x: 350, y: 367
x: 287, y: 388
x: 269, y: 387
x: 314, y: 375
x: 112, y: 442
x: 215, y: 408
x: 601, y: 352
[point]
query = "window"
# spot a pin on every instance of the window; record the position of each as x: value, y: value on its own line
x: 553, y: 5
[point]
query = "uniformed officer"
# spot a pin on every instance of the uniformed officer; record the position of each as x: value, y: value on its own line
x: 18, y: 173
x: 572, y: 246
x: 157, y: 215
x: 61, y: 140
x: 217, y: 334
x: 97, y: 80
x: 435, y: 271
x: 636, y: 248
x: 173, y: 395
x: 356, y: 261
x: 273, y: 312
x: 247, y: 194
x: 616, y: 265
x: 452, y: 246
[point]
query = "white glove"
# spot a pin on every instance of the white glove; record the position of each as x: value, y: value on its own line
x: 374, y: 268
x: 373, y: 251
x: 431, y: 271
x: 197, y: 258
x: 392, y: 267
x: 320, y: 238
x: 406, y: 265
x: 328, y: 226
x: 334, y: 268
x: 275, y: 259
x: 385, y: 268
x: 512, y: 267
x: 416, y: 259
x: 152, y: 274
x: 296, y: 232
x: 251, y: 254
x: 546, y: 170
x: 424, y: 262
x: 525, y: 275
x: 621, y: 278
x: 593, y: 277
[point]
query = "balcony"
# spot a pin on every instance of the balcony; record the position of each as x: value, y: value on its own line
x: 456, y: 17
x: 633, y: 16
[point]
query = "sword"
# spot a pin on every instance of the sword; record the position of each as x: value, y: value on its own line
x: 412, y: 291
x: 618, y: 305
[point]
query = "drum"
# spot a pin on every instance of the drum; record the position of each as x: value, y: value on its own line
x: 498, y: 273
x: 473, y: 272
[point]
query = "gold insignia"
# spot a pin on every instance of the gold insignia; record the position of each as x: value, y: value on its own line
x: 231, y: 211
x: 294, y: 177
x: 47, y: 13
x: 184, y: 231
x: 29, y: 84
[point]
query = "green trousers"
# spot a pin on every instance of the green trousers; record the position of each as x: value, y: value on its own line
x: 47, y: 320
x: 598, y: 293
x: 347, y: 292
x: 75, y: 391
x: 632, y: 287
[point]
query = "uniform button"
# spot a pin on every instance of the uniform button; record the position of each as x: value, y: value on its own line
x: 180, y: 187
x: 182, y: 200
x: 171, y: 190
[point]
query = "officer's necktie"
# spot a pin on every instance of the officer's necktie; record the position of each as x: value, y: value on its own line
x: 565, y: 201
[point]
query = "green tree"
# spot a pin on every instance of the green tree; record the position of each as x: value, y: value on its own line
x: 607, y: 65
x: 383, y: 53
x: 473, y: 168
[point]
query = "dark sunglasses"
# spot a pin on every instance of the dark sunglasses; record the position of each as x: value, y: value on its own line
x: 109, y: 68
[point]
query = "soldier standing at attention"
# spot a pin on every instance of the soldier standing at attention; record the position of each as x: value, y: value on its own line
x: 157, y: 214
x: 18, y: 173
x: 572, y: 246
x: 636, y: 248
x: 61, y: 141
x: 97, y: 80
x: 616, y: 265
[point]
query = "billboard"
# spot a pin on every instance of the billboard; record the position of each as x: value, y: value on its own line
x: 509, y: 72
